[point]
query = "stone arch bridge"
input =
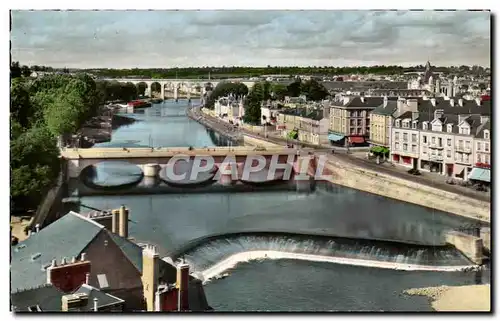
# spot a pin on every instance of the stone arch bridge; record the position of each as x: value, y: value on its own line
x: 76, y: 160
x: 180, y: 86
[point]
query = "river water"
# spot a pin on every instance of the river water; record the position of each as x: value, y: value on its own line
x: 355, y: 222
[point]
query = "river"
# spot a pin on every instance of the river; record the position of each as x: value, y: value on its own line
x: 355, y: 222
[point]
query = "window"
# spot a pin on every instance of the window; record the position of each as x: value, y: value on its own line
x: 405, y: 137
x: 466, y: 158
x: 424, y: 138
x: 460, y: 144
x: 405, y: 124
x: 413, y: 148
x: 437, y: 128
x: 433, y: 140
x: 448, y: 142
x: 479, y: 158
x: 479, y: 146
x: 424, y: 125
x: 486, y: 147
x: 424, y: 149
x: 450, y: 128
x: 487, y: 159
x: 405, y: 147
x: 448, y: 153
x: 440, y: 152
x: 464, y: 131
x: 440, y: 142
x: 486, y: 134
x: 457, y: 156
x: 396, y: 146
x: 414, y: 138
x: 398, y: 123
x: 414, y: 124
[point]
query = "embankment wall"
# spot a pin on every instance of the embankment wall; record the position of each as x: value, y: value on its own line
x: 389, y: 186
x: 471, y: 246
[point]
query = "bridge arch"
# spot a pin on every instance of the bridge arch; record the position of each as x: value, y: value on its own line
x: 143, y: 88
x: 109, y: 174
x: 156, y: 89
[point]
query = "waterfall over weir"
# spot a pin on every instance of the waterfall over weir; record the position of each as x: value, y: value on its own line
x: 217, y: 255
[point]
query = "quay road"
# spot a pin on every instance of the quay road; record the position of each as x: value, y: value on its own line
x: 341, y: 154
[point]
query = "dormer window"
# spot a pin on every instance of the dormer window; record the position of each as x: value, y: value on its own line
x: 405, y: 123
x: 449, y: 128
x: 414, y: 124
x: 486, y: 134
x: 425, y: 125
x: 465, y: 131
x: 398, y: 123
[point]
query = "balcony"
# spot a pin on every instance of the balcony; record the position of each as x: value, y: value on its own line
x: 436, y: 146
x: 463, y: 149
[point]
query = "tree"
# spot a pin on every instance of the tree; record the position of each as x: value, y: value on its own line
x: 34, y: 166
x: 20, y: 106
x: 141, y: 88
x: 294, y: 89
x: 224, y: 89
x: 15, y: 70
x: 62, y: 116
x: 314, y: 90
x: 25, y: 71
x: 279, y: 91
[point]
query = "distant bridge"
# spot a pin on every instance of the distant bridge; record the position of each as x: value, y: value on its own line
x: 176, y: 86
x: 79, y: 159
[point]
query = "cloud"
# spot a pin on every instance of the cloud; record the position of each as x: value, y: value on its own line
x: 121, y: 39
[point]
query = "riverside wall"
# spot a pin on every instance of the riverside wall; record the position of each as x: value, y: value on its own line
x: 366, y: 180
x: 252, y: 141
x: 471, y: 246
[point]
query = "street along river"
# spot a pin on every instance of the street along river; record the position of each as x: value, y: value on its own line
x: 332, y: 221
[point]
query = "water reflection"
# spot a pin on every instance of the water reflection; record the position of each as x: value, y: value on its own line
x: 112, y: 174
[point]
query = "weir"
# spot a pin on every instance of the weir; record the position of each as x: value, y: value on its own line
x: 217, y: 255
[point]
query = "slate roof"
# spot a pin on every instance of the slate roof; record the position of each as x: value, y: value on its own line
x: 367, y: 102
x: 49, y: 298
x: 386, y: 110
x: 480, y: 129
x: 66, y: 237
x: 315, y: 114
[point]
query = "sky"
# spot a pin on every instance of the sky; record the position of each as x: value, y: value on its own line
x: 164, y: 39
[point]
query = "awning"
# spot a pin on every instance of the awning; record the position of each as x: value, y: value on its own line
x: 458, y: 169
x: 357, y: 139
x: 480, y: 174
x: 335, y: 137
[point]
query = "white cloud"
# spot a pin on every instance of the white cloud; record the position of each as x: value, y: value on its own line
x: 194, y: 38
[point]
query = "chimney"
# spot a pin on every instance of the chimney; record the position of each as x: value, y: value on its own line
x: 74, y: 301
x: 433, y: 102
x: 37, y: 227
x: 362, y: 99
x: 414, y: 115
x: 413, y: 104
x: 115, y: 221
x: 123, y: 222
x: 87, y: 278
x: 96, y: 304
x: 438, y: 113
x: 385, y: 101
x: 452, y: 102
x: 182, y: 285
x: 166, y: 299
x: 484, y: 119
x: 478, y: 102
x: 460, y: 102
x: 68, y: 277
x: 150, y: 274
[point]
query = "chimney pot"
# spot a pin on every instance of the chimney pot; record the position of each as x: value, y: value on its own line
x: 461, y: 102
x: 87, y: 278
x: 83, y: 256
x: 433, y: 102
x: 73, y: 259
x: 63, y: 261
x: 54, y: 263
x: 37, y: 227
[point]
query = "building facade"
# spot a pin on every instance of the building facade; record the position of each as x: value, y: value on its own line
x: 349, y: 122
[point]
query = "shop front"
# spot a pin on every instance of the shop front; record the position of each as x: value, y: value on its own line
x: 336, y: 139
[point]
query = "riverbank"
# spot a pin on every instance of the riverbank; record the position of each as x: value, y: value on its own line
x: 467, y: 298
